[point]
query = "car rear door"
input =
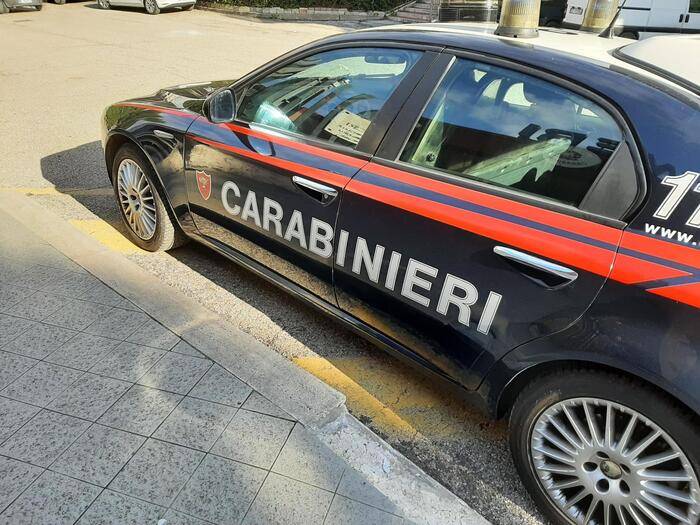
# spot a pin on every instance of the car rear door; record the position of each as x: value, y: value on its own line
x: 692, y: 19
x: 468, y: 234
x: 268, y: 186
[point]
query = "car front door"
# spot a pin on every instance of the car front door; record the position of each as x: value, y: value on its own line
x: 269, y: 184
x: 466, y: 235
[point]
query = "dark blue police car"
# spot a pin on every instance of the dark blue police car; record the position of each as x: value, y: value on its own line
x: 519, y: 218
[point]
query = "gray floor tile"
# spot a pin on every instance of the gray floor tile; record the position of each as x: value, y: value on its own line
x: 220, y: 490
x: 12, y: 327
x: 128, y: 362
x: 174, y: 517
x: 42, y: 384
x: 14, y: 414
x: 83, y: 351
x: 37, y: 276
x: 257, y: 403
x: 37, y: 306
x: 77, y: 315
x: 10, y: 294
x: 112, y: 508
x: 118, y: 324
x: 345, y: 511
x: 157, y: 472
x: 89, y: 397
x: 220, y: 386
x: 176, y: 373
x: 52, y: 499
x: 15, y: 476
x: 39, y: 341
x: 154, y: 334
x: 307, y: 459
x: 253, y: 438
x: 102, y: 294
x: 285, y: 501
x: 12, y: 366
x: 141, y: 410
x: 98, y: 455
x: 183, y: 347
x: 195, y: 423
x: 44, y: 438
x: 354, y: 486
x: 71, y: 284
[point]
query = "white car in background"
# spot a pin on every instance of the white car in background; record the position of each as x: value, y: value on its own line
x: 153, y: 7
x: 645, y: 18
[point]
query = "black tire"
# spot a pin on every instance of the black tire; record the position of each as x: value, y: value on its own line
x: 151, y: 7
x: 550, y: 389
x: 168, y: 234
x: 188, y: 7
x: 38, y: 7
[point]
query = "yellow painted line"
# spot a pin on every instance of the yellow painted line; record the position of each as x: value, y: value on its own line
x: 106, y: 234
x: 75, y: 192
x: 359, y: 399
x: 401, y: 403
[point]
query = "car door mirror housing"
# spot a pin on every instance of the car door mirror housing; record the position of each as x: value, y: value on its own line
x: 220, y: 106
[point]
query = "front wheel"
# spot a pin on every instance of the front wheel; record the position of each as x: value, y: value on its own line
x: 597, y: 448
x: 151, y: 7
x: 147, y: 220
x: 103, y: 4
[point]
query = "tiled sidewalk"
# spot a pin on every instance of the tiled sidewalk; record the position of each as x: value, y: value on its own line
x: 106, y: 417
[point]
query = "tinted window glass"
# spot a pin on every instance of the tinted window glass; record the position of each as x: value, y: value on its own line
x: 332, y: 95
x: 695, y: 6
x: 510, y: 129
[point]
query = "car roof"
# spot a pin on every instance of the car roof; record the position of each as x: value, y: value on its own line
x: 657, y: 57
x: 672, y: 56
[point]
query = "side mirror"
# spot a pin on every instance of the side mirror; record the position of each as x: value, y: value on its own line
x: 220, y: 106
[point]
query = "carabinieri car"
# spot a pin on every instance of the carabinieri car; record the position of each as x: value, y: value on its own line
x: 519, y: 218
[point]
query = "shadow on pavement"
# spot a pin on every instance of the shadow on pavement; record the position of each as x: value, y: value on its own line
x: 429, y: 424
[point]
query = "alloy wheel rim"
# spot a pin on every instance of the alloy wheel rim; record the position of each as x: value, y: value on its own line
x: 602, y: 463
x: 136, y: 199
x: 150, y: 5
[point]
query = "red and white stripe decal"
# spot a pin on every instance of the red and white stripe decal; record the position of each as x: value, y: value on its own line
x: 627, y: 269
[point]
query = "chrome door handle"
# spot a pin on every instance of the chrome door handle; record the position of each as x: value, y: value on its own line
x: 163, y: 134
x: 321, y: 192
x: 567, y: 275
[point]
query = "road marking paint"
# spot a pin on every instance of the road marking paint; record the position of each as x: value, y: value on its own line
x: 400, y: 407
x: 359, y: 399
x: 106, y: 234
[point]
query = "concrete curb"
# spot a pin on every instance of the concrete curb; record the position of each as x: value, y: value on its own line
x: 313, y: 403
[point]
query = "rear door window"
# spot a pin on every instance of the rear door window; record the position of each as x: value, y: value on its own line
x: 510, y: 129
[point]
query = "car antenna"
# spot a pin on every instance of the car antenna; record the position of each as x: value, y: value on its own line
x: 609, y: 32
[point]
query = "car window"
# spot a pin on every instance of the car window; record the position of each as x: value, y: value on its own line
x: 510, y: 129
x: 695, y: 6
x: 332, y: 95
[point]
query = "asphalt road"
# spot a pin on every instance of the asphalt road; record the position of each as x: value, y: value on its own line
x: 60, y: 67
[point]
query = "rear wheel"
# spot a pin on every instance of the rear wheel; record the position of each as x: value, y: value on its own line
x: 148, y: 222
x: 151, y: 7
x: 597, y: 449
x: 103, y: 4
x: 188, y: 7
